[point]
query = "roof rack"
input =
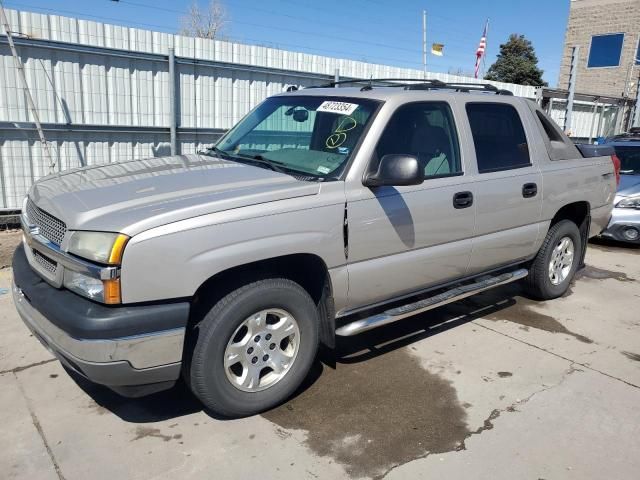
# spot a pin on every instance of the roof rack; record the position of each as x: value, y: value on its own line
x: 418, y: 84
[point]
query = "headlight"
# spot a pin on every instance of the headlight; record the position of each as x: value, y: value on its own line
x: 105, y: 291
x: 629, y: 202
x: 101, y: 247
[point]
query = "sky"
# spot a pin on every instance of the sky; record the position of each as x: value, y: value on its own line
x: 378, y: 31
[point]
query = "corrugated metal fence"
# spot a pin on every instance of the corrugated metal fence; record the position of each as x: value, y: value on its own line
x: 103, y: 92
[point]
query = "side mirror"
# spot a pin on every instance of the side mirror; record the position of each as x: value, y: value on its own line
x: 396, y: 171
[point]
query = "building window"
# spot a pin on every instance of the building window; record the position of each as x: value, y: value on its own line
x: 605, y: 50
x: 638, y: 53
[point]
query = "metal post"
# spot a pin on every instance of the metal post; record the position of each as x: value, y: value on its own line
x: 593, y: 120
x: 27, y: 92
x: 172, y: 101
x: 600, y: 117
x: 424, y: 43
x: 572, y: 90
x: 336, y: 77
x: 636, y: 113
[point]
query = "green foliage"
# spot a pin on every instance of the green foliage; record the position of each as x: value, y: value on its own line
x: 517, y: 63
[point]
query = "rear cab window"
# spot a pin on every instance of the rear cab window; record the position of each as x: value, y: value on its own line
x: 498, y: 136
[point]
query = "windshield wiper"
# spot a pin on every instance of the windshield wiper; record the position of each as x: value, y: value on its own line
x: 260, y: 160
x: 219, y: 153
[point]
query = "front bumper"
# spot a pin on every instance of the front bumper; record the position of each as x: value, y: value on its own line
x: 134, y: 350
x: 623, y: 219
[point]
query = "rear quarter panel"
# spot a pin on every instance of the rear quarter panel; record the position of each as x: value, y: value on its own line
x: 584, y: 179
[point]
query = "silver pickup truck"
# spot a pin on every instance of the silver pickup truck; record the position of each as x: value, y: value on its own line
x: 324, y: 212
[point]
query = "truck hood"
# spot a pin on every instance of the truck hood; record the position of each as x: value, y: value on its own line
x: 134, y: 196
x: 629, y: 185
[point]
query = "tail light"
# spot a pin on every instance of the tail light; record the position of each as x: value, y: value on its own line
x: 616, y: 167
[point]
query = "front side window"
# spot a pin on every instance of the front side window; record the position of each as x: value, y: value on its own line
x: 498, y: 136
x: 605, y: 50
x: 426, y: 131
x: 311, y: 135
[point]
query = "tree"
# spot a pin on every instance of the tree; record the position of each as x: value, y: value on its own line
x: 517, y: 63
x: 204, y: 23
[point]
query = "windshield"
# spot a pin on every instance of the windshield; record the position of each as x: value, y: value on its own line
x: 313, y: 136
x: 629, y: 159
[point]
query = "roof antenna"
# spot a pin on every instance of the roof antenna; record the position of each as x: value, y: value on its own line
x: 366, y: 88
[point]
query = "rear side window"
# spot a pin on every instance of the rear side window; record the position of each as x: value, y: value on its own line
x: 498, y: 136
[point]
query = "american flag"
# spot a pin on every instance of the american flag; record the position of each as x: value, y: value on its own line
x: 482, y: 47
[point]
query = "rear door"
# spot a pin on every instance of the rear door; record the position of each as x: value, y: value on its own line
x: 508, y: 184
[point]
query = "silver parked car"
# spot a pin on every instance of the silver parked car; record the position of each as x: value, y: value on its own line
x: 625, y: 220
x: 308, y: 219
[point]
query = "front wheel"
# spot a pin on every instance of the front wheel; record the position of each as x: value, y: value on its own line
x: 556, y: 263
x: 254, y: 348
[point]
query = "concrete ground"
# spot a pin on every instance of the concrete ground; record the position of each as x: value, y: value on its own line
x: 496, y: 387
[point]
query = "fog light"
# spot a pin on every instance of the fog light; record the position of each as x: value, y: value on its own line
x: 631, y: 233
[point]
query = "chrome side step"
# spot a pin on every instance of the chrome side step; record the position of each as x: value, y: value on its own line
x: 449, y: 296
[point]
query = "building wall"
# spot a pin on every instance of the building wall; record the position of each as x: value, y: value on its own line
x: 596, y: 17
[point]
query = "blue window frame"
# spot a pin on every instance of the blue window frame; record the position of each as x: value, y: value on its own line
x: 638, y: 53
x: 605, y: 50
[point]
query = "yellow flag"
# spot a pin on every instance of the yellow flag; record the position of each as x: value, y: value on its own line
x: 437, y: 49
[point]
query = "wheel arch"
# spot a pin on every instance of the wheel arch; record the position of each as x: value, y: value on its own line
x: 308, y: 270
x: 579, y: 213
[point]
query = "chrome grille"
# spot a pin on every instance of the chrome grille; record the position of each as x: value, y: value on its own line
x: 45, y: 262
x: 50, y: 227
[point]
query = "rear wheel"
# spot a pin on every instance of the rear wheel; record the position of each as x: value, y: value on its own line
x: 556, y: 263
x: 254, y: 348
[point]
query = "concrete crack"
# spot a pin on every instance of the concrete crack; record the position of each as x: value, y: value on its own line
x: 36, y: 423
x: 573, y: 362
x: 25, y: 367
x: 488, y: 423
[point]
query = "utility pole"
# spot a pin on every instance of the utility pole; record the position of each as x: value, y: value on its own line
x: 25, y: 86
x: 424, y: 43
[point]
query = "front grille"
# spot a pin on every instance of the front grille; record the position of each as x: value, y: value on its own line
x: 45, y: 262
x: 50, y: 227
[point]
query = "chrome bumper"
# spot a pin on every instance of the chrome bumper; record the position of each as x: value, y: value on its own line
x: 621, y: 219
x: 140, y: 351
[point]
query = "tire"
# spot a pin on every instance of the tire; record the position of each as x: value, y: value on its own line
x: 542, y: 283
x: 221, y: 335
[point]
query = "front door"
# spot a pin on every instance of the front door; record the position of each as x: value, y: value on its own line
x: 403, y: 239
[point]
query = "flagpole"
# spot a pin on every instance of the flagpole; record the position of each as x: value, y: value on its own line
x: 424, y: 43
x: 484, y: 57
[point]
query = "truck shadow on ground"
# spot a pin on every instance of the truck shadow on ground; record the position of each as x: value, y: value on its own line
x: 360, y: 349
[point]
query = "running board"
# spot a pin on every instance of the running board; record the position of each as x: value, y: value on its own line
x: 449, y: 296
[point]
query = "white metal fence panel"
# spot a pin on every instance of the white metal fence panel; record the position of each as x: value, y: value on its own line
x: 102, y: 92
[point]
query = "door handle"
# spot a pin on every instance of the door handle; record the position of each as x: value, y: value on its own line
x: 462, y: 200
x: 529, y: 190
